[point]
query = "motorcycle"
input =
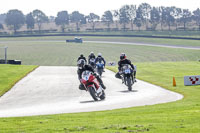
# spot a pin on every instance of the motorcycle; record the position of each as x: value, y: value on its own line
x: 92, y: 63
x: 99, y: 67
x: 92, y: 85
x: 127, y: 76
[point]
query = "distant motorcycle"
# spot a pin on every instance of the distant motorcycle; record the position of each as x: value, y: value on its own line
x: 92, y: 85
x: 127, y: 76
x: 100, y: 67
x: 92, y: 63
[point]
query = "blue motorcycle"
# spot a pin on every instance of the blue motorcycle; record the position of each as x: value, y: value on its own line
x: 100, y: 67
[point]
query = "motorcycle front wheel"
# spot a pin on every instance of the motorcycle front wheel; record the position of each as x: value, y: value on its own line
x: 100, y: 71
x: 93, y: 93
x: 129, y: 84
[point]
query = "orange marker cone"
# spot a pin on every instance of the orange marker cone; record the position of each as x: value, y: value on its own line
x: 174, y: 82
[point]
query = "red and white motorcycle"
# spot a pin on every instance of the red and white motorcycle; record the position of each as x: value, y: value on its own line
x: 92, y: 85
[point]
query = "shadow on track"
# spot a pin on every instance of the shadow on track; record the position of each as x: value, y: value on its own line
x: 127, y: 91
x: 91, y: 101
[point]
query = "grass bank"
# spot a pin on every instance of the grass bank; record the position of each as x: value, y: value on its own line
x: 176, y: 117
x: 10, y: 74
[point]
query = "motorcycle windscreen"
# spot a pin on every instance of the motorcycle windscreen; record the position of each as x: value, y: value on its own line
x: 86, y: 75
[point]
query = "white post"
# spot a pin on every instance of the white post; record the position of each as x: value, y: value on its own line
x: 6, y: 55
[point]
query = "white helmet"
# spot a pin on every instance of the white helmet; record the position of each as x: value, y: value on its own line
x: 92, y: 53
x: 99, y: 54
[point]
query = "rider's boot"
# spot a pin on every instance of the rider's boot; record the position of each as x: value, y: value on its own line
x: 122, y: 80
x: 81, y: 87
x: 135, y: 79
x: 101, y: 82
x: 103, y: 86
x: 134, y: 76
x: 117, y: 75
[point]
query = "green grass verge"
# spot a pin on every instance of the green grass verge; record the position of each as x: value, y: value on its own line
x: 55, y: 51
x: 10, y: 74
x: 176, y: 117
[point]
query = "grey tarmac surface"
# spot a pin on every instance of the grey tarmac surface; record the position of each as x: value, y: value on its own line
x: 54, y: 90
x: 146, y: 44
x: 117, y: 43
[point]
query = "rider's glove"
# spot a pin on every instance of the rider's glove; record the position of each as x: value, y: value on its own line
x: 94, y: 74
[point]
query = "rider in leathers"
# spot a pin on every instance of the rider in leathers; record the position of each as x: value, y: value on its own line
x: 123, y: 61
x: 91, y: 56
x: 83, y: 67
x: 81, y: 57
x: 100, y: 59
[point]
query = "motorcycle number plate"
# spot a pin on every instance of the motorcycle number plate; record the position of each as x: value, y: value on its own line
x: 127, y: 71
x: 86, y: 78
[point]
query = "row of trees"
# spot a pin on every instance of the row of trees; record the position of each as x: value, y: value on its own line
x: 143, y: 15
x: 15, y: 19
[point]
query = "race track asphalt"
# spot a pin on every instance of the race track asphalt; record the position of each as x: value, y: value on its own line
x: 54, y: 90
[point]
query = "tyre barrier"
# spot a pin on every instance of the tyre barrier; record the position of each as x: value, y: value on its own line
x: 14, y: 62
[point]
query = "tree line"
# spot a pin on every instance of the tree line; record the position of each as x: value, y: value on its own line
x: 144, y: 15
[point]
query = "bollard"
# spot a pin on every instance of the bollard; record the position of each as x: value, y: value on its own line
x: 174, y: 82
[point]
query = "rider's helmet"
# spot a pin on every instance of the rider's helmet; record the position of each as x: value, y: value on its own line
x: 92, y: 53
x: 122, y: 56
x: 81, y: 64
x: 81, y: 55
x: 99, y: 54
